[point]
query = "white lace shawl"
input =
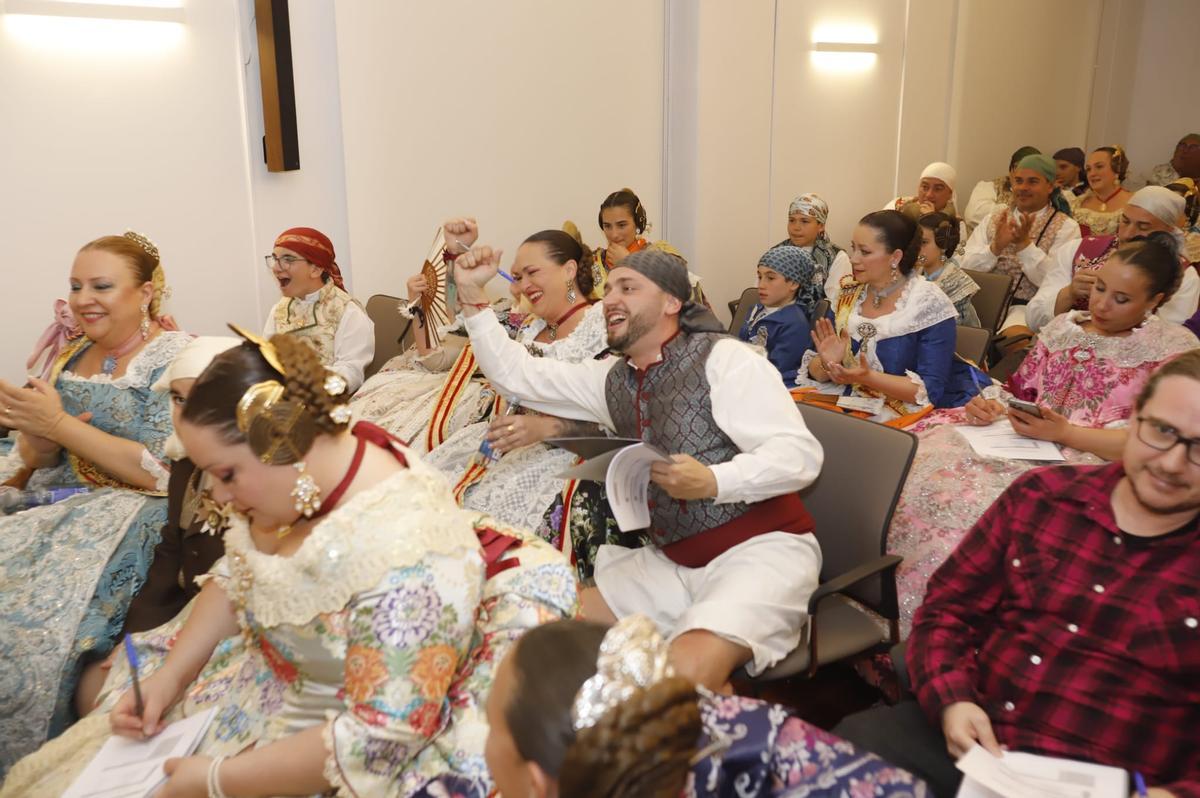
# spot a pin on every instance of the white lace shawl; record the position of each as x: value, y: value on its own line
x: 391, y: 525
x: 140, y: 374
x: 1154, y: 341
x: 587, y: 340
x: 920, y: 306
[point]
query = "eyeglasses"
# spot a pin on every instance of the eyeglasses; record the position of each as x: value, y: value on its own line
x: 1164, y: 437
x: 283, y: 261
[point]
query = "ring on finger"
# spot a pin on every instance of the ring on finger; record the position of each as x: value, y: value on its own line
x: 510, y: 428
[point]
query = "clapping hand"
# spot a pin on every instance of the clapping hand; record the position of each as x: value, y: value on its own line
x: 830, y: 346
x: 35, y: 410
x: 850, y: 375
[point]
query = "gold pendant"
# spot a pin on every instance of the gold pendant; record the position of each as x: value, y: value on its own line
x: 283, y: 531
x: 1103, y: 207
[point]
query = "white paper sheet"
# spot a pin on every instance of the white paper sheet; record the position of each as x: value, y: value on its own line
x: 999, y: 439
x: 628, y: 485
x: 125, y: 768
x: 626, y: 474
x: 1018, y: 775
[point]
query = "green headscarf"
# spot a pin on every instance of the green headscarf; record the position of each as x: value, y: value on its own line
x: 1044, y: 165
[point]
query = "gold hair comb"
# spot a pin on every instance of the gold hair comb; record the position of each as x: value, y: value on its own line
x: 269, y: 353
x: 146, y: 244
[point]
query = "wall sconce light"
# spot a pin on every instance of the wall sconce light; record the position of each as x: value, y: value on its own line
x: 133, y: 27
x: 141, y: 11
x: 844, y: 48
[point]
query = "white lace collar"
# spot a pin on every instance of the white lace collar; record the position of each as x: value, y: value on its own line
x: 921, y: 305
x: 1151, y: 342
x: 140, y: 371
x: 391, y: 525
x: 588, y: 339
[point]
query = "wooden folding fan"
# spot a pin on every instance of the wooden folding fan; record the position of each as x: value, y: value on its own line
x: 435, y: 301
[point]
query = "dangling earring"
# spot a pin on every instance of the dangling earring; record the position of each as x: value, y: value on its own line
x: 571, y: 295
x: 895, y: 271
x: 145, y: 325
x: 306, y: 493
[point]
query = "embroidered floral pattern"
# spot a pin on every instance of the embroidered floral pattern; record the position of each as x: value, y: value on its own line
x: 433, y: 670
x: 365, y: 672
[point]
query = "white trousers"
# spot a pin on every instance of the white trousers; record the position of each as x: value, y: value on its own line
x: 755, y: 594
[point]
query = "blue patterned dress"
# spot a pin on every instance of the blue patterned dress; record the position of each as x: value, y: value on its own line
x: 68, y: 571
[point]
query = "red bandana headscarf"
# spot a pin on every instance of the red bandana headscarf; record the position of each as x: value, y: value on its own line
x: 315, y: 247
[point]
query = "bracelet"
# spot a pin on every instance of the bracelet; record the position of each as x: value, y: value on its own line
x: 476, y: 305
x: 214, y: 779
x: 449, y: 256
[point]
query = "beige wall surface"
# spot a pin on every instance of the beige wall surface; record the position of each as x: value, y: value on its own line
x: 110, y: 125
x: 528, y: 112
x: 523, y: 114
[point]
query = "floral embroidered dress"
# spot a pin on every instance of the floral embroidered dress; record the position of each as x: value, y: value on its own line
x: 68, y: 571
x: 765, y: 750
x: 1091, y: 379
x: 519, y: 488
x: 413, y: 393
x: 386, y: 624
x: 916, y: 340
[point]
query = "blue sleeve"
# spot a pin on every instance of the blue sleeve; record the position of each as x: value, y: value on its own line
x: 788, y: 341
x: 935, y: 354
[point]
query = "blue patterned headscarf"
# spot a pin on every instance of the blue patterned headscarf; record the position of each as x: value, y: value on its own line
x: 793, y: 263
x: 823, y: 251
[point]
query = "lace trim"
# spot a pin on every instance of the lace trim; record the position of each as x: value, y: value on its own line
x: 140, y: 371
x: 330, y: 770
x: 920, y: 306
x: 922, y: 398
x: 585, y: 341
x: 1153, y: 342
x: 151, y: 465
x: 351, y: 549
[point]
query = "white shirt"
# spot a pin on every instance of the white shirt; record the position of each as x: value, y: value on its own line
x: 1178, y: 309
x: 1034, y: 262
x: 837, y: 270
x: 749, y: 403
x: 353, y: 342
x: 981, y: 204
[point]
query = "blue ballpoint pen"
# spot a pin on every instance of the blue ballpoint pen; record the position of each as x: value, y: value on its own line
x: 1139, y: 781
x: 131, y: 654
x: 501, y: 272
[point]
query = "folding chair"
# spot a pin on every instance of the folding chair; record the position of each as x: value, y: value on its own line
x: 852, y: 502
x: 393, y: 332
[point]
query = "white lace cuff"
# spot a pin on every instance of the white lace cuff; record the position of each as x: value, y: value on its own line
x: 405, y: 308
x: 151, y: 465
x: 922, y: 395
x: 804, y: 376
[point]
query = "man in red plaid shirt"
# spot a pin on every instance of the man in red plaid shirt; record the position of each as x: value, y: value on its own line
x: 1067, y: 622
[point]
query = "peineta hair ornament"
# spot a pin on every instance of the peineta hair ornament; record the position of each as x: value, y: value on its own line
x: 633, y: 656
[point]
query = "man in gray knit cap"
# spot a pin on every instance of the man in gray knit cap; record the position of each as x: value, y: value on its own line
x: 732, y: 562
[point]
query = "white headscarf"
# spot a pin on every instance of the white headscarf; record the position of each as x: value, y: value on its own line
x: 941, y: 171
x: 1164, y: 203
x: 189, y: 364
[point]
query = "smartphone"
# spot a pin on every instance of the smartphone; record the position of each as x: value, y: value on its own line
x: 1026, y: 407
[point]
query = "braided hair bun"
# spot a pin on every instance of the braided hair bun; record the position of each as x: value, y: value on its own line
x: 641, y: 748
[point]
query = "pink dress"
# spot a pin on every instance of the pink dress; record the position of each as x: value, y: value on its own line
x: 1091, y: 379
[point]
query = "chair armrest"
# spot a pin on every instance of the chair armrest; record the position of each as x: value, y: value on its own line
x: 852, y: 577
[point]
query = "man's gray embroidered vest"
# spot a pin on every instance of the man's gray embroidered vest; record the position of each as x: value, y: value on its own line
x: 670, y: 405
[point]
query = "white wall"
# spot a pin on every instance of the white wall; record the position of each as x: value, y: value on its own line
x: 523, y: 114
x: 115, y: 125
x: 1023, y: 76
x: 118, y: 125
x: 1163, y: 96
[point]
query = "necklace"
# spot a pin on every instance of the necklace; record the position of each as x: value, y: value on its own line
x: 110, y: 360
x: 554, y: 327
x: 878, y: 296
x: 1104, y: 201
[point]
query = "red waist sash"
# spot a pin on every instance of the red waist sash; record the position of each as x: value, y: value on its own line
x: 785, y: 513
